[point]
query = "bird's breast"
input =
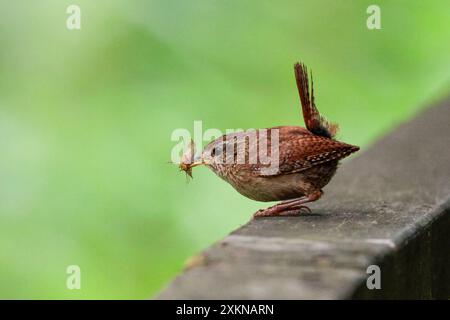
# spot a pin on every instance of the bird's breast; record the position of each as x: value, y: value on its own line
x: 278, y: 187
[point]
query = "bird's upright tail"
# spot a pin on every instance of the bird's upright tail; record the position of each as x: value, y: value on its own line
x: 314, y: 122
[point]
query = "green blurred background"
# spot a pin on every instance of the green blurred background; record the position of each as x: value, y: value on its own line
x: 86, y: 118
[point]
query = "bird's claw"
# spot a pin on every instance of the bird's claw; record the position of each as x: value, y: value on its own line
x: 273, y: 212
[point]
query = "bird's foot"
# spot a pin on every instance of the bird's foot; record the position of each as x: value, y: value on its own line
x: 280, y: 212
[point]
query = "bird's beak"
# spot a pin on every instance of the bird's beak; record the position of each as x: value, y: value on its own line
x: 197, y: 161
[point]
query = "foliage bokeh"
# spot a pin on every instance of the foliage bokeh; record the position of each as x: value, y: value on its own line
x: 86, y: 118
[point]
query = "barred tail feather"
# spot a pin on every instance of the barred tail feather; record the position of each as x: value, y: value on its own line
x: 314, y: 122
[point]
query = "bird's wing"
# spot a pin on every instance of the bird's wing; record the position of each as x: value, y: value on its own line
x: 314, y: 122
x: 302, y: 152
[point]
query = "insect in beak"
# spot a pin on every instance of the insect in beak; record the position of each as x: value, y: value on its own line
x: 190, y: 159
x: 187, y: 167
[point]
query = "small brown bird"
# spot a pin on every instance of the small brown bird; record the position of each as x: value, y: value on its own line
x: 302, y: 161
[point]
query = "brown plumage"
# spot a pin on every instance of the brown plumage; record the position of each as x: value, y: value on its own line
x: 306, y: 159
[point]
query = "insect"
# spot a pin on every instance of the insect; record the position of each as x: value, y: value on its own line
x: 306, y: 158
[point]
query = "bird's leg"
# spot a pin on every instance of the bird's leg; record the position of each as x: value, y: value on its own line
x: 289, y: 207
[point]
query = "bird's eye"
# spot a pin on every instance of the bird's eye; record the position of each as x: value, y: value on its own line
x: 216, y: 151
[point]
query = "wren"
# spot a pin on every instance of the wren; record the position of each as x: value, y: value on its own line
x: 306, y: 159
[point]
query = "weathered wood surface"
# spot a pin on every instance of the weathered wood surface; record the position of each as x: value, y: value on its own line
x: 388, y: 206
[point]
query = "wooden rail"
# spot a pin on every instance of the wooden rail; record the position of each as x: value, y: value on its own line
x: 388, y: 207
